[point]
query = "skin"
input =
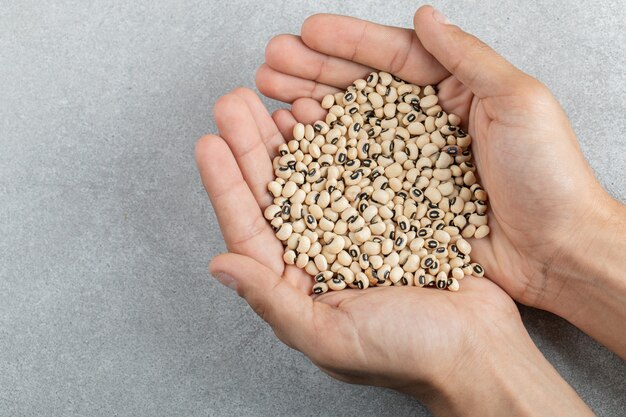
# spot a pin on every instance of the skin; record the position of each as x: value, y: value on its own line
x: 428, y: 343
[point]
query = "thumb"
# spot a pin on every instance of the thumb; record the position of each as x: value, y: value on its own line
x: 476, y: 65
x: 288, y: 310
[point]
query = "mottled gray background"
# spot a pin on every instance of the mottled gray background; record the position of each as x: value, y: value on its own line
x: 106, y: 306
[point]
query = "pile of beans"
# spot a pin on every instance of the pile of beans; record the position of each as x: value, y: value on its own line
x: 382, y: 192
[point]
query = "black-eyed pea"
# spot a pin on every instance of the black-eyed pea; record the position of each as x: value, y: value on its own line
x: 442, y: 174
x: 298, y: 226
x: 481, y: 231
x: 434, y: 214
x: 442, y: 280
x: 444, y: 205
x: 283, y: 173
x: 357, y: 224
x: 344, y: 258
x: 452, y: 231
x: 371, y: 248
x: 457, y: 273
x: 481, y: 206
x: 429, y: 149
x: 441, y: 236
x: 387, y: 246
x: 325, y: 224
x: 302, y: 260
x: 407, y: 279
x: 393, y: 259
x: 434, y: 267
x: 480, y: 194
x: 289, y: 256
x: 314, y: 250
x: 404, y: 254
x: 354, y: 252
x: 465, y: 194
x: 477, y: 270
x: 335, y: 244
x: 433, y: 195
x: 363, y: 235
x: 324, y: 199
x: 341, y: 227
x: 463, y: 246
x: 441, y: 252
x: 328, y: 101
x: 395, y: 275
x: 429, y: 123
x: 310, y: 222
x: 464, y: 141
x: 361, y: 280
x: 456, y: 205
x: 419, y: 278
x: 272, y: 211
x: 296, y: 211
x: 321, y: 262
x: 377, y: 228
x: 453, y: 284
x: 383, y: 273
x: 430, y: 280
x: 276, y: 223
x: 429, y: 100
x: 478, y: 219
x: 323, y: 276
x: 417, y: 243
x: 320, y: 288
x: 469, y: 178
x: 412, y: 263
x: 456, y: 263
x: 303, y: 245
x: 364, y: 261
x: 346, y: 275
x: 428, y: 261
x: 336, y: 284
x: 468, y: 208
x: 395, y: 184
x: 284, y: 232
x: 446, y: 188
x: 376, y: 261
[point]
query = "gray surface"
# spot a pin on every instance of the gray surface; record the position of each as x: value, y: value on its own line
x: 106, y: 307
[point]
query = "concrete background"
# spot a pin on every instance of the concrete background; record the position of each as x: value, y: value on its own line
x: 106, y: 306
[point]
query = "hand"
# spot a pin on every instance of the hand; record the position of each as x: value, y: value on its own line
x: 546, y: 208
x: 425, y: 342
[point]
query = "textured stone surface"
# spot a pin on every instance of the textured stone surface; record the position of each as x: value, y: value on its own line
x: 106, y: 306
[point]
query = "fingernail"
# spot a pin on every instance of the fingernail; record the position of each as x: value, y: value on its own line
x: 440, y: 17
x: 226, y: 280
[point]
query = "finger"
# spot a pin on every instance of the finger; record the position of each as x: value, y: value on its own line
x: 288, y: 88
x: 387, y: 48
x: 291, y: 313
x: 245, y: 230
x: 289, y: 55
x: 307, y: 110
x: 284, y: 121
x: 474, y: 63
x: 266, y: 126
x: 239, y: 130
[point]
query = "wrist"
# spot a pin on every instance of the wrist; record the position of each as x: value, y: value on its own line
x: 586, y: 284
x: 507, y: 375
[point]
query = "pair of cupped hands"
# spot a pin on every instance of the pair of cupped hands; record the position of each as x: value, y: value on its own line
x: 551, y: 224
